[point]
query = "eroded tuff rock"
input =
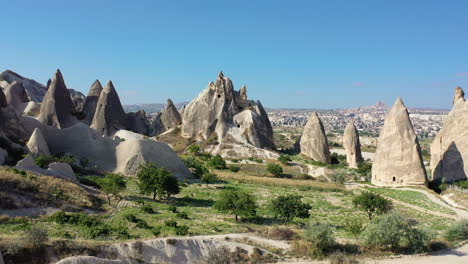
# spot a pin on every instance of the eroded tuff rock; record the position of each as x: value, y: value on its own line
x: 3, y: 101
x: 170, y: 117
x: 78, y: 99
x: 57, y: 108
x: 16, y: 96
x: 352, y: 145
x: 213, y: 114
x: 105, y: 154
x: 138, y: 122
x: 37, y: 144
x: 109, y: 116
x: 35, y: 91
x: 55, y: 169
x: 313, y: 142
x: 91, y: 100
x: 398, y: 159
x: 449, y: 150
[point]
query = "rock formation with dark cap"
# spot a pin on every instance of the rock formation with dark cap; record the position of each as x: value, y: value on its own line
x: 398, y: 160
x: 313, y: 142
x: 352, y: 145
x: 57, y: 108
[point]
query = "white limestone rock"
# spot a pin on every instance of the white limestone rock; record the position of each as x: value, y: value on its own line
x: 398, y: 160
x: 313, y: 142
x: 352, y: 145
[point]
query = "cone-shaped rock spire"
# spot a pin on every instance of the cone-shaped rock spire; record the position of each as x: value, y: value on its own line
x: 449, y: 150
x: 57, y: 108
x: 109, y: 116
x: 37, y: 145
x: 352, y: 145
x: 91, y: 101
x: 313, y: 142
x: 170, y: 116
x: 398, y: 159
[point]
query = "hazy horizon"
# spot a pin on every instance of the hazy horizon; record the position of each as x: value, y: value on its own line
x: 299, y: 54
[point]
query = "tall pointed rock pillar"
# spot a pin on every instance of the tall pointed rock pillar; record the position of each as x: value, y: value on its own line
x: 109, y: 116
x: 352, y: 145
x: 170, y: 117
x: 449, y: 150
x: 91, y: 102
x: 57, y: 108
x: 313, y: 142
x: 398, y: 160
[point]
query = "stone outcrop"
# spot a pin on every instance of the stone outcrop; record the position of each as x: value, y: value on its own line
x: 105, y: 154
x: 449, y: 150
x: 313, y: 142
x: 16, y: 96
x: 170, y: 117
x: 91, y: 101
x: 156, y: 126
x: 78, y: 99
x: 109, y: 116
x: 55, y: 169
x: 352, y: 145
x: 3, y: 101
x: 57, y: 109
x: 37, y: 144
x: 138, y: 122
x: 35, y: 91
x: 398, y: 160
x: 213, y: 115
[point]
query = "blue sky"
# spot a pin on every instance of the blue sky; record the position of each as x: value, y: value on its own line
x: 301, y: 54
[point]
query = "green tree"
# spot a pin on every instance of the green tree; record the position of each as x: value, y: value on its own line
x: 286, y: 207
x: 237, y: 202
x: 195, y: 166
x: 194, y: 149
x: 112, y: 184
x: 156, y: 181
x: 284, y: 159
x: 217, y: 162
x: 209, y: 178
x: 372, y: 204
x: 274, y: 169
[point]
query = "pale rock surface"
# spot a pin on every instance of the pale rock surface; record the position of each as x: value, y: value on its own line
x: 107, y: 155
x: 37, y: 144
x: 398, y: 160
x: 313, y: 142
x: 352, y: 145
x: 109, y: 116
x: 213, y: 113
x: 91, y: 101
x: 16, y: 96
x: 56, y: 169
x: 449, y: 150
x: 128, y: 135
x: 32, y: 108
x: 57, y: 108
x: 170, y: 117
x: 35, y: 91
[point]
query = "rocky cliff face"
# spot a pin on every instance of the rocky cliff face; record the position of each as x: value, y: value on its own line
x: 57, y: 108
x: 449, y: 150
x: 220, y: 110
x: 313, y: 142
x: 109, y: 116
x: 352, y: 145
x: 34, y: 90
x: 398, y: 160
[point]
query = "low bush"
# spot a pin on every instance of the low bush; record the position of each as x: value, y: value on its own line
x: 209, y: 178
x: 182, y: 230
x: 281, y: 233
x: 321, y: 236
x: 234, y: 168
x: 156, y: 230
x: 36, y: 236
x: 274, y: 169
x: 286, y: 207
x: 170, y: 223
x: 217, y: 162
x: 182, y: 215
x: 173, y: 209
x: 147, y: 208
x: 458, y: 231
x: 284, y: 159
x: 354, y: 225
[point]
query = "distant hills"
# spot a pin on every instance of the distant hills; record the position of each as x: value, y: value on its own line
x: 150, y: 108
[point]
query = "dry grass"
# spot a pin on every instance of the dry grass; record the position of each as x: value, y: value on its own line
x: 280, y: 181
x: 42, y: 188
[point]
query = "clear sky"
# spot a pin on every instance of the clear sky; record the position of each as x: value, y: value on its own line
x: 301, y: 54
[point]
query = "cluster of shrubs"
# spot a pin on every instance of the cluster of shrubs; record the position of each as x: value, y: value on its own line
x: 180, y: 230
x: 91, y: 226
x: 43, y: 161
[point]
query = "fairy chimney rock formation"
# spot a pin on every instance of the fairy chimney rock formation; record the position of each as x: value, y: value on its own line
x: 16, y: 96
x: 92, y: 98
x: 449, y: 150
x: 57, y: 109
x: 219, y: 110
x: 352, y: 145
x: 313, y: 142
x: 109, y: 115
x: 170, y: 117
x: 398, y: 160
